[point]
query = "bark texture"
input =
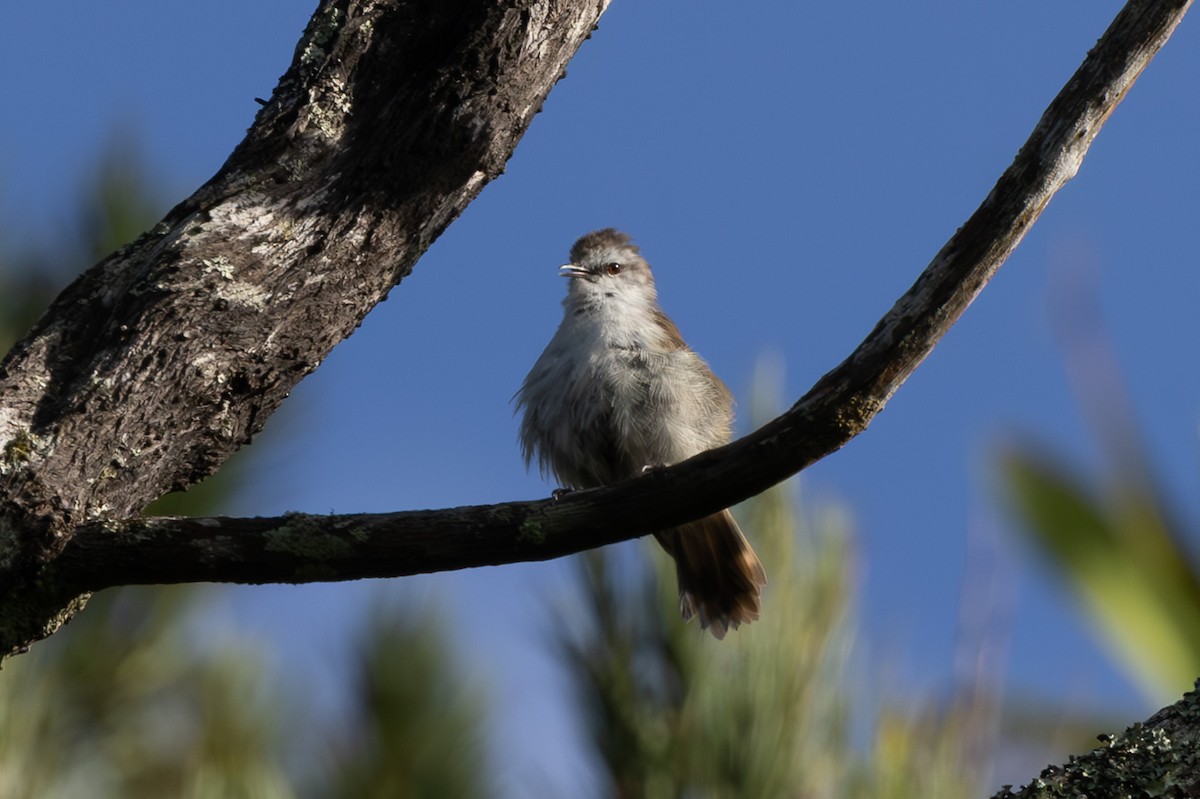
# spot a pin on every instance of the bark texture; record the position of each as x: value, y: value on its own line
x: 161, y: 360
x: 1157, y: 758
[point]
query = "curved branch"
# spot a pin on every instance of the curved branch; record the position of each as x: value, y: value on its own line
x: 300, y: 548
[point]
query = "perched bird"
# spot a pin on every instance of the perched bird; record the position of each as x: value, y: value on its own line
x: 617, y: 391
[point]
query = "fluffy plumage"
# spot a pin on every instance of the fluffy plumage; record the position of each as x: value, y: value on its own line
x: 617, y: 390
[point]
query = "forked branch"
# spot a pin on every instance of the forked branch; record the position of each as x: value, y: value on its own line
x: 301, y: 548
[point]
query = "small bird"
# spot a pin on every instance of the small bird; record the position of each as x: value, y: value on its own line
x: 617, y: 392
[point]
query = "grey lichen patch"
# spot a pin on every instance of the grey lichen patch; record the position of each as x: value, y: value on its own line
x: 309, y: 539
x: 321, y: 32
x: 243, y: 293
x: 111, y: 470
x: 328, y: 111
x: 328, y: 98
x: 281, y: 233
x: 232, y: 290
x: 207, y: 364
x: 98, y: 512
x: 221, y: 265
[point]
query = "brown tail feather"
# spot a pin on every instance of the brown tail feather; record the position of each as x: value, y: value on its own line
x: 720, y: 577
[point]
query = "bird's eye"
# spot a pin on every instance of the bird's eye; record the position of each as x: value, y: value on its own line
x: 612, y: 269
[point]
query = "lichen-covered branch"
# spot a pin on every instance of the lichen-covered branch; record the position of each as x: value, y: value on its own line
x: 160, y: 361
x: 1157, y: 759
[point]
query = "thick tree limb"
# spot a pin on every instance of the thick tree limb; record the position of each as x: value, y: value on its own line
x: 160, y: 361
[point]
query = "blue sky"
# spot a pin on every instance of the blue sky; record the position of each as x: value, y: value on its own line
x: 788, y: 170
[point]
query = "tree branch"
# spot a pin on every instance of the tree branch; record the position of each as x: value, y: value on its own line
x: 300, y: 548
x: 160, y: 361
x: 1157, y: 758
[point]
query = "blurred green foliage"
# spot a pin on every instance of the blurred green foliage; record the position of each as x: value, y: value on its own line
x: 415, y: 730
x: 772, y: 710
x: 125, y: 703
x: 1107, y: 530
x: 141, y: 697
x: 1116, y: 548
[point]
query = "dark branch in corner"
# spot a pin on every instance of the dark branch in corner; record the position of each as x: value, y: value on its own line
x: 1159, y: 757
x: 300, y: 548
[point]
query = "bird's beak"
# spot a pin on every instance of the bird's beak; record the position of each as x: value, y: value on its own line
x: 572, y: 270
